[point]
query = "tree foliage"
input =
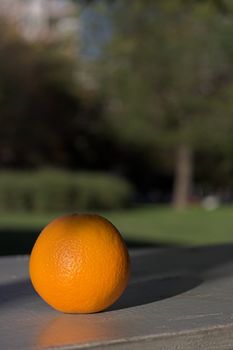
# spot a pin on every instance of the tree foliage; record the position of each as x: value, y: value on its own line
x: 169, y: 70
x: 168, y: 73
x: 38, y: 99
x: 47, y: 114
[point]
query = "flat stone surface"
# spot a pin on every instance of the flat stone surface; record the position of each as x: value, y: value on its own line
x: 178, y: 298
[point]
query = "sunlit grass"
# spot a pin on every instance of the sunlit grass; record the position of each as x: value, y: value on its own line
x: 164, y: 225
x: 149, y: 224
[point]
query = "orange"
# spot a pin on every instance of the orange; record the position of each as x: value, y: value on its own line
x: 79, y: 264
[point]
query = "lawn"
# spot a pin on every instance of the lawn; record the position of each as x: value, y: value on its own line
x: 194, y: 226
x: 148, y: 224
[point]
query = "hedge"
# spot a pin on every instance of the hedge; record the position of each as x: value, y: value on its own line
x: 59, y: 191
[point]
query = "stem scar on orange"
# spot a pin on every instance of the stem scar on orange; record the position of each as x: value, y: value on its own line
x: 79, y: 264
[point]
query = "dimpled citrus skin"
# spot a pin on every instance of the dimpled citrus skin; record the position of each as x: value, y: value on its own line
x: 79, y: 264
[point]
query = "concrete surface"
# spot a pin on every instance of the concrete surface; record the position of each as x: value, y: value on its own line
x: 178, y: 298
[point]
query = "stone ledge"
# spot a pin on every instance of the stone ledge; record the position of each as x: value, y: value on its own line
x: 178, y: 298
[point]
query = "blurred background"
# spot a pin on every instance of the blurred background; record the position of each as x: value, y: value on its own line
x: 124, y: 108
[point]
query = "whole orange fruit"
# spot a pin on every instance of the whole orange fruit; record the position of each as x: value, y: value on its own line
x: 79, y: 264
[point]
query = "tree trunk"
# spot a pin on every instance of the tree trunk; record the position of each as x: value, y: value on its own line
x: 183, y: 176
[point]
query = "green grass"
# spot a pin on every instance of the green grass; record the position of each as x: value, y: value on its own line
x: 153, y: 224
x: 194, y: 226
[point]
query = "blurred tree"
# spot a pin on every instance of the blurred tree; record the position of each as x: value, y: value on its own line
x: 168, y: 80
x: 50, y: 113
x: 38, y: 99
x: 48, y: 116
